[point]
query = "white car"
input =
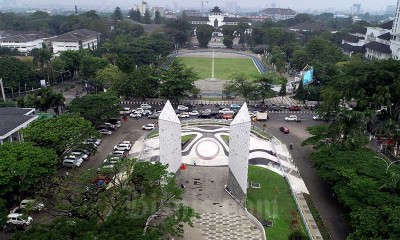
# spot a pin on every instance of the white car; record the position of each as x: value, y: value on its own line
x: 182, y: 108
x: 145, y: 106
x: 72, y: 163
x: 138, y: 110
x: 123, y: 147
x: 291, y: 118
x: 110, y: 162
x: 19, y: 219
x: 117, y: 153
x: 317, y: 118
x: 135, y: 115
x: 148, y: 127
x: 32, y: 204
x: 105, y: 132
x: 183, y: 115
x: 224, y: 110
x: 95, y: 141
x: 194, y: 113
x: 84, y: 154
x: 146, y: 112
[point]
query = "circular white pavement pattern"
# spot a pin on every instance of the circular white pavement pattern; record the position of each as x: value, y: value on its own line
x: 207, y: 149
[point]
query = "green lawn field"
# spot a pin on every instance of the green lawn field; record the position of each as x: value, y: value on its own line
x: 273, y: 201
x: 224, y: 67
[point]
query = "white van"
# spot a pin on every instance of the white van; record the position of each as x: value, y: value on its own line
x: 19, y: 219
x: 145, y: 106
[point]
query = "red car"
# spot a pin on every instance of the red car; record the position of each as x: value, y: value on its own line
x: 284, y: 129
x: 294, y: 108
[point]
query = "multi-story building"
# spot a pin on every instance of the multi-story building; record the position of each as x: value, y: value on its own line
x: 75, y: 40
x: 277, y: 14
x: 143, y: 7
x: 395, y: 34
x: 216, y: 18
x: 23, y: 41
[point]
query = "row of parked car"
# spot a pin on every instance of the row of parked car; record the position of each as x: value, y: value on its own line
x: 120, y: 152
x: 75, y: 157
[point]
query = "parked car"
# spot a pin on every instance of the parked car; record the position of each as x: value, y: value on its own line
x: 32, y: 205
x: 110, y: 162
x: 224, y: 110
x: 148, y: 126
x: 19, y: 219
x: 125, y: 111
x: 291, y: 118
x: 284, y: 129
x: 135, y: 115
x: 275, y: 108
x: 318, y: 118
x: 94, y: 141
x: 71, y: 163
x: 182, y: 108
x: 146, y: 112
x: 294, y: 108
x: 154, y: 115
x: 205, y: 114
x: 123, y: 147
x: 145, y: 106
x: 194, y: 113
x: 83, y: 153
x: 120, y: 154
x: 110, y: 126
x: 105, y: 132
x: 183, y: 115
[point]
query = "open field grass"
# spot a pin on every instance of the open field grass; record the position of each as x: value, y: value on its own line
x: 274, y: 202
x: 224, y: 67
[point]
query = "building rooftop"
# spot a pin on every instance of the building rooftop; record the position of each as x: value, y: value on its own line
x: 21, y: 38
x: 351, y: 38
x: 385, y: 36
x: 387, y: 25
x: 12, y: 118
x: 236, y: 19
x: 77, y: 35
x: 280, y: 11
x: 310, y: 27
x: 198, y: 19
x: 354, y: 49
x: 362, y: 30
x: 380, y: 47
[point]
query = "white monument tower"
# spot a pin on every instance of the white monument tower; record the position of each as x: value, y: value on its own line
x: 170, y: 138
x: 239, y: 143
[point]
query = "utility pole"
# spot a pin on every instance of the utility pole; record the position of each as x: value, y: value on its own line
x: 2, y: 89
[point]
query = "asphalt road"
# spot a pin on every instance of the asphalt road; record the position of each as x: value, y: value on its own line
x: 331, y: 212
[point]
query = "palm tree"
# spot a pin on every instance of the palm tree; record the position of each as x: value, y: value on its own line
x: 41, y: 58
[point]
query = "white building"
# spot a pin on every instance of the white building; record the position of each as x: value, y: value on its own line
x: 143, y: 7
x: 395, y: 34
x: 23, y: 41
x: 75, y: 40
x: 216, y: 18
x: 239, y: 144
x: 170, y: 138
x: 277, y: 14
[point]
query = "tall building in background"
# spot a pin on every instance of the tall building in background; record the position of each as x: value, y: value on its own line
x: 390, y: 9
x: 8, y: 3
x: 143, y: 7
x: 175, y: 5
x: 356, y: 9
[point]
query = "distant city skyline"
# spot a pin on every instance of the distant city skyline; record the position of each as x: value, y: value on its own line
x: 366, y: 5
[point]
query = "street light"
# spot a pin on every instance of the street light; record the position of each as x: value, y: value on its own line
x: 387, y: 164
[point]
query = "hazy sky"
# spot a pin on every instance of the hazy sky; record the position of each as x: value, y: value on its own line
x: 295, y: 4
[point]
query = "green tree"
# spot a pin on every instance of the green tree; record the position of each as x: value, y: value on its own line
x: 264, y: 82
x: 204, y: 33
x: 72, y: 60
x: 109, y: 75
x: 41, y: 58
x: 16, y: 73
x: 96, y: 108
x: 178, y: 29
x: 147, y: 17
x: 300, y: 93
x: 24, y: 165
x: 228, y: 41
x: 177, y: 80
x: 282, y: 91
x: 241, y: 85
x: 117, y: 14
x: 297, y: 235
x: 43, y: 99
x: 60, y: 133
x: 157, y: 17
x: 90, y: 65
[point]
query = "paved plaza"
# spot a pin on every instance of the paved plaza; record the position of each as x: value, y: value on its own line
x: 206, y: 157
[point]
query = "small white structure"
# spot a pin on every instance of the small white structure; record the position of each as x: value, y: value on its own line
x: 170, y: 138
x: 239, y: 143
x: 75, y: 40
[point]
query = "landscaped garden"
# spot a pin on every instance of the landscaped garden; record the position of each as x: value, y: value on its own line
x: 273, y: 202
